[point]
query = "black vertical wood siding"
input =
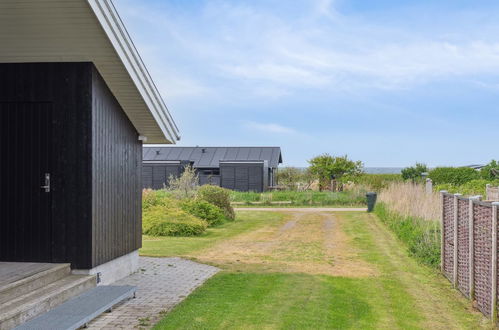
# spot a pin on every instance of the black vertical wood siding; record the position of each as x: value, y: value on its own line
x: 242, y: 176
x: 156, y: 176
x: 67, y: 87
x: 95, y: 166
x: 116, y: 183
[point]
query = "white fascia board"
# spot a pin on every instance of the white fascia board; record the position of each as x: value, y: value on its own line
x: 112, y: 25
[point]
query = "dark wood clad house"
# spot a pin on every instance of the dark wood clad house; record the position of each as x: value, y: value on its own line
x: 76, y: 105
x: 236, y: 168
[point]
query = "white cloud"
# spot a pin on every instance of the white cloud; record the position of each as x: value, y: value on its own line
x: 249, y: 49
x: 269, y: 128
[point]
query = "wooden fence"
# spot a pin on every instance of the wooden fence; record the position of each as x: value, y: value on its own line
x: 492, y: 193
x: 469, y: 249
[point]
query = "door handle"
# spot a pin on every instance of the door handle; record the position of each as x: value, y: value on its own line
x: 46, y: 186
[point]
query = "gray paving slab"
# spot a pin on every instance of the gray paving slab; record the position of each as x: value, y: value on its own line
x: 161, y: 284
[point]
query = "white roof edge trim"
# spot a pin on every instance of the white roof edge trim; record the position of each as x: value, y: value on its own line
x: 115, y: 30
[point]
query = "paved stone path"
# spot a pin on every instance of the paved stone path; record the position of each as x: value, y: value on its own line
x: 161, y: 284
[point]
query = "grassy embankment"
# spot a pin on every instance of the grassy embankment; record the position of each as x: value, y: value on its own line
x: 311, y: 270
x: 412, y: 214
x: 299, y: 198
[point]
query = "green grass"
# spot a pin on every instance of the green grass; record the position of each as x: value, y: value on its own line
x: 180, y: 246
x: 402, y: 295
x: 422, y: 237
x: 302, y: 198
x: 374, y: 182
x: 275, y: 301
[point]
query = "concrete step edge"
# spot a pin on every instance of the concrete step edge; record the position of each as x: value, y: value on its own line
x: 33, y: 282
x: 43, y: 299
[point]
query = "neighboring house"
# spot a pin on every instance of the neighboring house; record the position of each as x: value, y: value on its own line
x: 76, y: 105
x: 236, y: 168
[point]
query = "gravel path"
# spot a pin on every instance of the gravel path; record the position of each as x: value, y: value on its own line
x: 161, y: 284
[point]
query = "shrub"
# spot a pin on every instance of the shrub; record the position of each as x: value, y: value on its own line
x: 326, y: 167
x: 422, y: 237
x: 375, y: 182
x: 186, y: 185
x: 473, y: 187
x: 414, y: 173
x: 453, y: 175
x: 160, y: 220
x: 490, y: 171
x: 219, y: 197
x: 152, y: 198
x: 212, y: 214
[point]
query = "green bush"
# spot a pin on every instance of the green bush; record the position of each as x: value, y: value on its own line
x: 453, y: 175
x: 152, y: 198
x: 414, y: 173
x: 473, y: 187
x: 422, y: 237
x: 219, y: 197
x: 375, y: 182
x: 212, y: 214
x: 490, y: 171
x: 160, y: 220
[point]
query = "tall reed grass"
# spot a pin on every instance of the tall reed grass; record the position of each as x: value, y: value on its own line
x: 409, y: 199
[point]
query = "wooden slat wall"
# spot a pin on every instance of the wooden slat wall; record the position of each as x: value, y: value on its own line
x: 67, y: 87
x: 116, y: 183
x: 242, y: 177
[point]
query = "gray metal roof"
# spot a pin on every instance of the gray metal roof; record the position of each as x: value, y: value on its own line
x: 211, y: 156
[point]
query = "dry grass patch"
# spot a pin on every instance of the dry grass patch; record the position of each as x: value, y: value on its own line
x: 408, y: 199
x: 311, y: 243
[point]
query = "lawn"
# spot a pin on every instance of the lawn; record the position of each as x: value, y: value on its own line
x: 185, y: 246
x: 300, y: 198
x: 312, y: 270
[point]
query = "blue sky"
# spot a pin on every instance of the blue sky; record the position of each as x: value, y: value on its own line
x: 386, y: 82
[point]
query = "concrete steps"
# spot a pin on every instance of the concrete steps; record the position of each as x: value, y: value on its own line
x: 33, y: 295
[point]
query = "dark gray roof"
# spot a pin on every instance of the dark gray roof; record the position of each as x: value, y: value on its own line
x: 212, y: 156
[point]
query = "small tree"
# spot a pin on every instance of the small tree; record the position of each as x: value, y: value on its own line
x: 414, y: 172
x: 186, y: 185
x: 290, y: 177
x: 326, y: 167
x: 490, y: 171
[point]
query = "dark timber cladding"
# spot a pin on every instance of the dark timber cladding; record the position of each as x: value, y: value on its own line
x: 237, y: 168
x: 61, y: 119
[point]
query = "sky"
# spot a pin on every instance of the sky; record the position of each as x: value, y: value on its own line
x: 386, y: 82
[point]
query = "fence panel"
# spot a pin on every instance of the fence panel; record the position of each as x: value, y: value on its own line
x: 463, y: 251
x: 448, y: 236
x: 482, y: 237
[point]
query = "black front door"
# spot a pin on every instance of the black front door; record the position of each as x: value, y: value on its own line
x: 25, y: 169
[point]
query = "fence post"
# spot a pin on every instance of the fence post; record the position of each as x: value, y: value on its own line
x: 487, y: 191
x: 494, y: 262
x: 442, y: 229
x: 471, y: 239
x: 456, y: 214
x: 429, y: 186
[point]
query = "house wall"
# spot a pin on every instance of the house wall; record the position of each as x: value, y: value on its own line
x: 95, y: 166
x: 156, y: 176
x: 243, y: 176
x: 116, y: 180
x: 66, y: 87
